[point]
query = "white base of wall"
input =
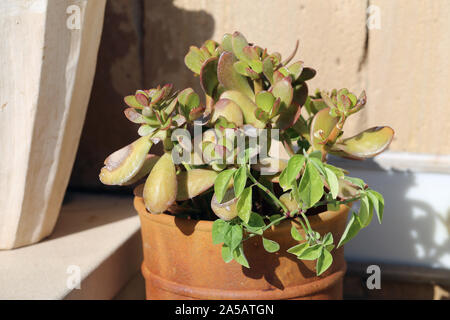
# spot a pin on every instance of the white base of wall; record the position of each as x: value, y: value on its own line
x: 416, y: 223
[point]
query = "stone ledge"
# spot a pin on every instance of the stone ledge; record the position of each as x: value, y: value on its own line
x: 98, y: 233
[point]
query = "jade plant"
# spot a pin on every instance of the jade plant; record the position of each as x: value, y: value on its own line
x: 251, y: 153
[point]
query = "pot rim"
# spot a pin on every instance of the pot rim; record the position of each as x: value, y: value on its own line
x: 206, y: 225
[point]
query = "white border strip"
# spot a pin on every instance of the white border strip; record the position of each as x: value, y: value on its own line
x: 403, y: 161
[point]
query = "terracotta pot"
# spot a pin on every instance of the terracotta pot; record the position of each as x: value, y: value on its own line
x: 181, y: 262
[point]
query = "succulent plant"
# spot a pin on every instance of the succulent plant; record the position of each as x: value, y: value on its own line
x: 253, y: 152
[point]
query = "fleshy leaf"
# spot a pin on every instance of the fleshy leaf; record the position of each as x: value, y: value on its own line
x: 226, y: 210
x: 307, y: 74
x: 268, y: 69
x: 239, y: 43
x: 194, y: 59
x: 194, y: 182
x: 226, y: 42
x: 160, y: 188
x: 322, y: 121
x: 229, y: 77
x: 229, y: 110
x: 132, y: 102
x: 247, y: 106
x: 208, y: 76
x: 134, y: 116
x: 283, y: 90
x: 122, y: 165
x: 149, y: 163
x: 366, y: 144
x: 265, y: 100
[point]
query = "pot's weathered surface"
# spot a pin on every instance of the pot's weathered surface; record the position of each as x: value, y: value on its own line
x: 181, y: 262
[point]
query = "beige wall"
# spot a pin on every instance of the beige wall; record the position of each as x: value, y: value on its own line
x: 404, y: 65
x: 405, y: 68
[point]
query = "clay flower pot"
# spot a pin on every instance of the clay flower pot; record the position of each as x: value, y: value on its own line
x: 181, y: 262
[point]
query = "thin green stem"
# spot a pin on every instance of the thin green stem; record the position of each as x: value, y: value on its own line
x: 320, y: 203
x: 267, y: 191
x: 274, y: 222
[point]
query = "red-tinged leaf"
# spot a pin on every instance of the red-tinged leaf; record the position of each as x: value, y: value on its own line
x: 229, y: 77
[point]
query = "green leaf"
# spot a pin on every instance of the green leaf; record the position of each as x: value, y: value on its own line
x: 227, y: 254
x: 270, y: 245
x: 282, y: 180
x: 268, y: 69
x: 318, y: 163
x: 236, y: 236
x: 239, y: 42
x: 226, y: 42
x: 296, y: 235
x: 188, y: 99
x: 240, y: 67
x: 328, y: 239
x: 256, y: 221
x: 377, y: 201
x: 208, y: 76
x: 295, y: 69
x: 294, y: 166
x: 323, y: 262
x: 366, y: 144
x: 244, y: 205
x: 333, y: 182
x: 298, y: 249
x: 221, y: 183
x: 230, y: 78
x: 352, y: 229
x: 247, y: 106
x: 194, y: 59
x: 283, y: 90
x: 265, y: 100
x: 311, y: 186
x: 256, y: 65
x: 239, y: 256
x: 337, y: 171
x: 220, y: 231
x: 322, y: 121
x: 240, y: 179
x: 365, y: 211
x: 310, y: 253
x: 356, y: 181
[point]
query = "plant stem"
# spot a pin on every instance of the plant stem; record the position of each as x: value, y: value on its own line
x: 257, y: 84
x: 271, y: 195
x: 274, y: 222
x: 336, y: 201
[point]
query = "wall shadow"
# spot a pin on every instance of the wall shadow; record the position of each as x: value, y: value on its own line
x: 408, y: 234
x: 143, y: 44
